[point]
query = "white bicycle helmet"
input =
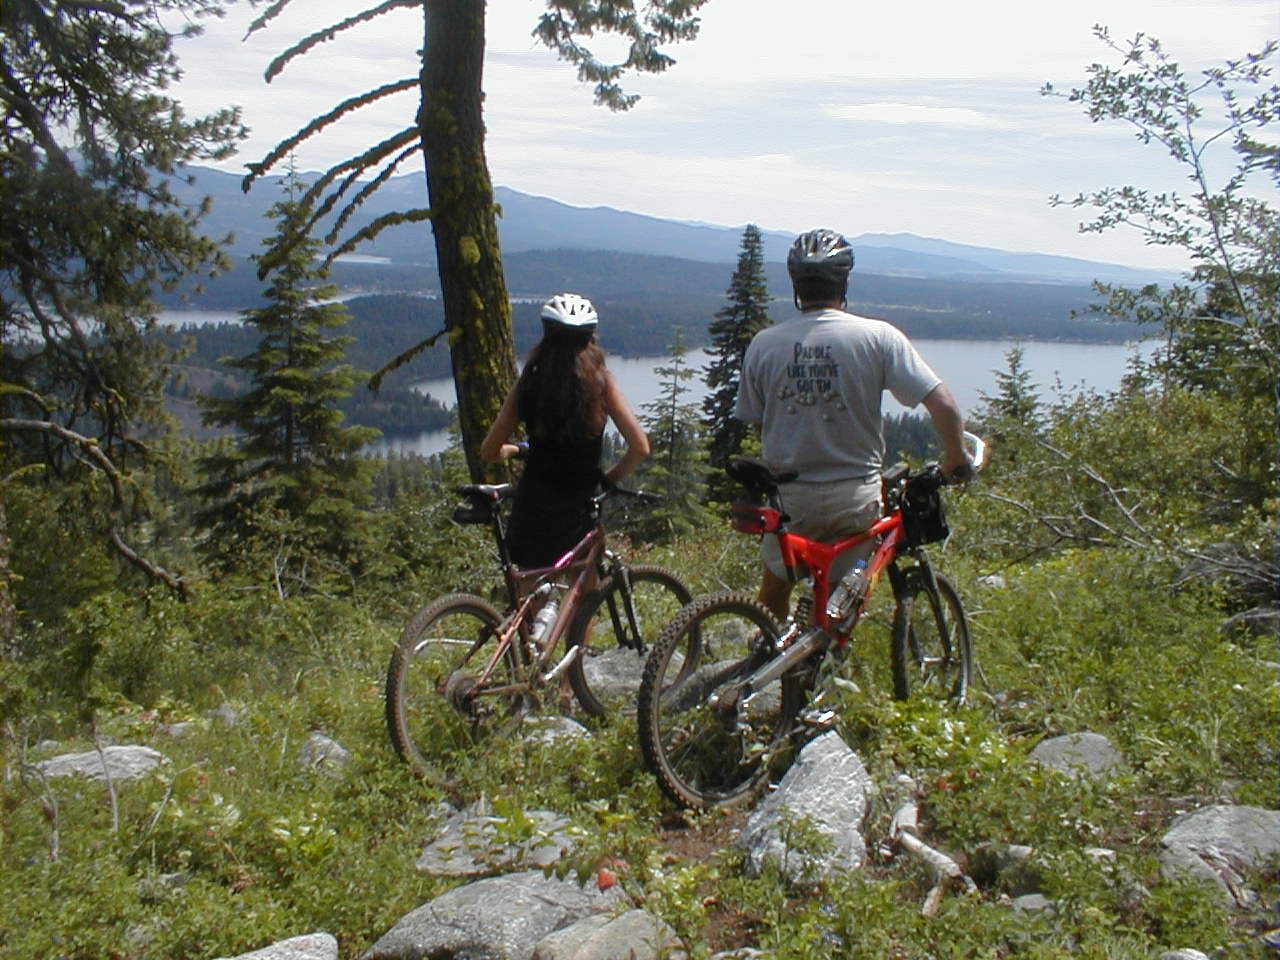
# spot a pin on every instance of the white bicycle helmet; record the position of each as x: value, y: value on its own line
x: 570, y: 312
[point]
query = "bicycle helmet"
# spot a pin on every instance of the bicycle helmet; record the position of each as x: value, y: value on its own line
x: 820, y: 255
x: 569, y: 312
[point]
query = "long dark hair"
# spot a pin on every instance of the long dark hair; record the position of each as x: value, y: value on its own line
x: 561, y: 391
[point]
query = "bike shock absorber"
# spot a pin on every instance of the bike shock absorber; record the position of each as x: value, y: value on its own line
x: 796, y: 623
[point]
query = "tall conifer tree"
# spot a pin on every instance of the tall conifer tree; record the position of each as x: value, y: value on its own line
x: 745, y: 315
x: 292, y: 461
x: 676, y: 466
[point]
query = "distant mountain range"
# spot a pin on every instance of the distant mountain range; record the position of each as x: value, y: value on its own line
x: 530, y: 223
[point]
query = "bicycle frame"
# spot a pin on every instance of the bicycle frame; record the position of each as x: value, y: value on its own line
x: 577, y: 572
x: 799, y: 552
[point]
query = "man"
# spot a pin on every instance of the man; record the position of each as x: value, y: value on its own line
x: 813, y: 386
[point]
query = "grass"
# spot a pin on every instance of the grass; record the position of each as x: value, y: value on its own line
x: 233, y: 844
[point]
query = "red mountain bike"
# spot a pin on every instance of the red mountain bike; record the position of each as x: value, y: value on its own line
x: 715, y: 732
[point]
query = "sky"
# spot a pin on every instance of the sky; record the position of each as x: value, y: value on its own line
x: 922, y: 117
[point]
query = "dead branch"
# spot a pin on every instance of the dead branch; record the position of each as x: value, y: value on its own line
x: 903, y: 832
x: 88, y: 451
x: 111, y: 781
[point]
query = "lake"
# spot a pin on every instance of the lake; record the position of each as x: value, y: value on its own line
x: 967, y: 366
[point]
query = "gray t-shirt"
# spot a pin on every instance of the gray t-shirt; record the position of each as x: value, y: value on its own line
x: 814, y: 384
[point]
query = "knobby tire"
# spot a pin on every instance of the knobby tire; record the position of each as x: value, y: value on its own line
x: 442, y: 650
x: 606, y: 673
x: 928, y: 661
x: 706, y: 747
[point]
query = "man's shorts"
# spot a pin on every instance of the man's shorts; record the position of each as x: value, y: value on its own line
x: 826, y: 511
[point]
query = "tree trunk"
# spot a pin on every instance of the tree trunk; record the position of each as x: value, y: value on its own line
x: 464, y: 220
x: 8, y: 618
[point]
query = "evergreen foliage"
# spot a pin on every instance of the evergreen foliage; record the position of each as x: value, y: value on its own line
x: 90, y: 227
x: 676, y: 468
x: 291, y: 472
x: 745, y: 315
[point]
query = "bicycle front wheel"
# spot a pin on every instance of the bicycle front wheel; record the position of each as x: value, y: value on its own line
x: 615, y: 629
x: 436, y: 705
x: 706, y: 741
x: 932, y: 655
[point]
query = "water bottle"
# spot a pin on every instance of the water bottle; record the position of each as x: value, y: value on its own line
x: 543, y: 620
x: 845, y: 597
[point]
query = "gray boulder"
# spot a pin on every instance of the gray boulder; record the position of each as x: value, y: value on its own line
x: 551, y: 729
x: 824, y: 795
x: 324, y: 754
x: 1183, y: 954
x: 1222, y: 845
x: 1009, y: 867
x: 314, y: 946
x: 1079, y: 755
x: 118, y: 763
x: 614, y: 675
x: 501, y: 918
x: 635, y: 935
x: 475, y: 842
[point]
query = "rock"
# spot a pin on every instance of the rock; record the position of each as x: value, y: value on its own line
x: 1033, y: 903
x: 1184, y: 954
x: 1221, y: 845
x: 614, y: 675
x: 827, y: 789
x: 313, y: 946
x: 324, y: 754
x: 994, y: 581
x: 1079, y: 755
x: 548, y: 729
x: 475, y: 842
x: 635, y: 935
x: 121, y: 763
x: 226, y: 715
x: 500, y: 918
x: 1009, y: 866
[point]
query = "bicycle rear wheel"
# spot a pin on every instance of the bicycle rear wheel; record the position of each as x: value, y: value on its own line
x: 708, y: 745
x: 435, y: 704
x: 607, y: 672
x: 932, y: 655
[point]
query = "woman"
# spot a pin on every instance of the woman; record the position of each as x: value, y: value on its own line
x: 564, y: 397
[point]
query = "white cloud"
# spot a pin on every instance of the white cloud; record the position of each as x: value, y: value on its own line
x: 874, y: 117
x: 912, y: 114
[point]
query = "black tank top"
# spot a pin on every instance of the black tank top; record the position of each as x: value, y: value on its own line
x: 551, y: 509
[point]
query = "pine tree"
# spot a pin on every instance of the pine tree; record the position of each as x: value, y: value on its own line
x: 89, y: 143
x: 1012, y: 416
x: 676, y: 468
x: 291, y: 473
x: 448, y: 130
x: 746, y: 314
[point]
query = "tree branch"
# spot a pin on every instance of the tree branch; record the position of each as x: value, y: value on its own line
x: 89, y: 450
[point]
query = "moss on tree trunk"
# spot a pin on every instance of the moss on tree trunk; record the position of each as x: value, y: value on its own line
x: 464, y: 219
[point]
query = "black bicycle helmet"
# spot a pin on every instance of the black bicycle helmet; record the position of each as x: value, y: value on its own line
x: 820, y: 255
